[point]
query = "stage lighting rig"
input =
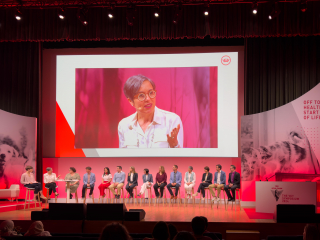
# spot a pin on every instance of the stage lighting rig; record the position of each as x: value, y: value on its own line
x: 82, y: 16
x: 206, y: 10
x: 303, y: 5
x: 18, y: 14
x: 131, y: 15
x: 61, y: 13
x: 255, y: 7
x: 177, y: 13
x: 275, y: 12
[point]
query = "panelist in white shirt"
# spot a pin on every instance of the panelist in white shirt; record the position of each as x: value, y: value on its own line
x: 149, y: 126
x: 189, y: 181
x: 49, y: 179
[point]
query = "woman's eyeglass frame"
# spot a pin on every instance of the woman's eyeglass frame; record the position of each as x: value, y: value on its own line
x: 145, y: 95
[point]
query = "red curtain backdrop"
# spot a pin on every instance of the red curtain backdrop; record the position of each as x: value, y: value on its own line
x: 224, y: 21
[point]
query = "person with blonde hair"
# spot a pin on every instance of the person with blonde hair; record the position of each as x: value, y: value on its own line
x: 37, y: 230
x: 161, y: 181
x: 132, y: 181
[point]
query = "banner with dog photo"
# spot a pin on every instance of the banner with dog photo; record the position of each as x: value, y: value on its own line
x: 17, y: 148
x: 283, y: 140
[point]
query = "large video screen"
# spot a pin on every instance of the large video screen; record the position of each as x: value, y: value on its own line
x: 121, y: 105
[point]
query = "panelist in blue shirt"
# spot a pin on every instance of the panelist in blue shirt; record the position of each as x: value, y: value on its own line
x: 218, y: 182
x: 117, y: 182
x: 175, y: 181
x: 89, y: 180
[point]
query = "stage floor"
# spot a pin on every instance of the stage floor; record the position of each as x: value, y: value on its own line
x: 176, y: 213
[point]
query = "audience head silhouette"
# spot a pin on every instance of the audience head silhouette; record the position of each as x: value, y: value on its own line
x: 161, y: 231
x: 311, y: 232
x: 115, y: 231
x: 198, y: 226
x: 183, y: 235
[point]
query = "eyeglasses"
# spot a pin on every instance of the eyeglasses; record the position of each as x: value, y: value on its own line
x: 142, y: 96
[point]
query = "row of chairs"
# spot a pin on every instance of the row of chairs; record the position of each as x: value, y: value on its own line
x: 164, y: 200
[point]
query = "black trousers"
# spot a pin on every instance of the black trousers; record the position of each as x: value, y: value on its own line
x: 51, y: 186
x: 84, y: 190
x: 233, y: 190
x: 201, y: 188
x: 156, y: 186
x: 130, y: 188
x: 177, y: 186
x: 37, y: 187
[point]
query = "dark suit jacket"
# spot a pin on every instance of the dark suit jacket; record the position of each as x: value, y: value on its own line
x: 209, y: 178
x: 236, y: 179
x: 135, y: 178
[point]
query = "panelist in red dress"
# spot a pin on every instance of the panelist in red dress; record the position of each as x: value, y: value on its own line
x: 149, y: 126
x: 106, y: 181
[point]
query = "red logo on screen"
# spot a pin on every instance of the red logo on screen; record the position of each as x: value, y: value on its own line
x: 226, y: 60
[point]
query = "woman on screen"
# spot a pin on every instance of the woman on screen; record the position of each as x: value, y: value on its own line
x: 149, y: 126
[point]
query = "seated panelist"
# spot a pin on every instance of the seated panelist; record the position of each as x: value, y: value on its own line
x: 132, y: 181
x: 189, y: 181
x: 28, y: 180
x: 49, y: 179
x: 117, y: 182
x: 205, y: 182
x: 161, y: 182
x: 147, y: 183
x: 89, y: 179
x: 72, y: 175
x: 175, y: 181
x: 106, y: 181
x: 218, y: 182
x: 233, y: 183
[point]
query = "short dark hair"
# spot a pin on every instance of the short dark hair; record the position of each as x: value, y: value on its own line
x: 312, y: 232
x: 119, y: 167
x: 233, y: 166
x: 89, y: 168
x: 172, y: 231
x: 28, y: 167
x: 198, y: 225
x: 115, y: 231
x: 205, y: 220
x: 146, y: 169
x: 219, y: 166
x: 161, y: 231
x: 207, y: 168
x: 133, y: 84
x: 176, y: 166
x: 73, y: 169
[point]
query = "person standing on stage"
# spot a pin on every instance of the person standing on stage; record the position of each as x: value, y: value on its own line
x: 189, y: 181
x: 28, y: 180
x: 49, y: 179
x: 89, y: 179
x: 205, y: 182
x: 72, y: 175
x: 161, y: 182
x: 117, y: 182
x: 132, y: 181
x: 175, y: 181
x: 218, y: 182
x: 106, y: 181
x: 233, y: 183
x: 147, y: 183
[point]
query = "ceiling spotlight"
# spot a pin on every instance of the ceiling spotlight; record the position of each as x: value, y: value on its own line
x: 303, y: 6
x: 110, y: 12
x: 156, y: 11
x: 254, y: 7
x: 18, y: 15
x: 61, y: 14
x: 177, y: 13
x: 275, y: 12
x: 131, y: 15
x: 206, y: 11
x: 82, y: 16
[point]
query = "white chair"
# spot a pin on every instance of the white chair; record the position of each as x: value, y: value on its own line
x: 12, y: 192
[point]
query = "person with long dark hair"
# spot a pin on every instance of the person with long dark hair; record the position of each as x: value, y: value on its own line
x: 106, y: 181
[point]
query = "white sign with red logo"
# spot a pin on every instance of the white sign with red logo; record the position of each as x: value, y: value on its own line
x: 270, y: 194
